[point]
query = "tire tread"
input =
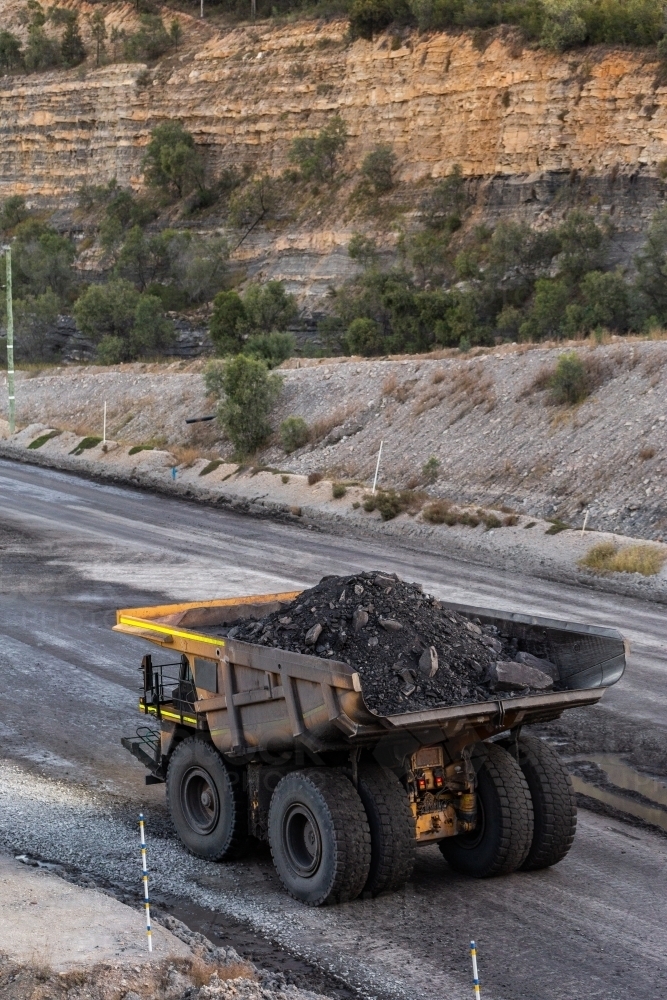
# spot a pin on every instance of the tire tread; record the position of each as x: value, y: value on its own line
x: 393, y: 855
x: 554, y: 803
x: 351, y: 833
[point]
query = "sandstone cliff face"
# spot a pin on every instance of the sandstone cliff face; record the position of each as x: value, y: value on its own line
x: 524, y: 122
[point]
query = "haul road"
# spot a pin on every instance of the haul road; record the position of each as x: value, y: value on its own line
x: 258, y: 741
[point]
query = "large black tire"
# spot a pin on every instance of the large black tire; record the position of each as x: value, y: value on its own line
x: 392, y: 828
x: 554, y: 802
x: 206, y: 801
x: 319, y: 836
x: 504, y: 833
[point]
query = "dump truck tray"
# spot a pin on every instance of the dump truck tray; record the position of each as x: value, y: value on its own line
x: 253, y: 698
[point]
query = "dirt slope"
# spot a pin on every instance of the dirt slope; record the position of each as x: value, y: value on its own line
x: 497, y: 439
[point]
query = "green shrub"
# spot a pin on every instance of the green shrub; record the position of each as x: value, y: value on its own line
x: 651, y: 265
x: 35, y: 317
x: 368, y: 17
x: 378, y: 168
x: 11, y: 56
x: 491, y: 521
x: 151, y: 330
x: 41, y: 51
x: 252, y: 204
x: 562, y: 25
x: 72, y: 49
x: 124, y: 324
x: 364, y: 337
x: 41, y: 260
x: 84, y: 444
x: 14, y: 209
x: 98, y: 30
x: 546, y: 320
x: 338, y: 491
x: 135, y: 449
x: 556, y: 526
x: 444, y: 204
x: 172, y: 162
x: 431, y: 470
x: 268, y: 307
x: 111, y: 350
x: 318, y: 156
x: 363, y: 249
x: 42, y: 439
x: 569, y: 384
x: 150, y: 42
x: 604, y: 302
x: 274, y: 348
x: 389, y: 503
x: 250, y: 394
x: 228, y: 321
x: 294, y: 433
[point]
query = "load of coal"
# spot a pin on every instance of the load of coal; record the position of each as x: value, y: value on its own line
x: 410, y: 652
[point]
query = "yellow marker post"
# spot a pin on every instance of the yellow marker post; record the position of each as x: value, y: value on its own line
x: 475, y: 977
x: 147, y: 904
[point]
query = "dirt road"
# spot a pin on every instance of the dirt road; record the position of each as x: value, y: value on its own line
x: 71, y: 551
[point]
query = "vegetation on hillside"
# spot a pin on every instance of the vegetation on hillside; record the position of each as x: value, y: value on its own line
x: 452, y: 285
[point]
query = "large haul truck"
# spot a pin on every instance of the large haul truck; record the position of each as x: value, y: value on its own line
x: 257, y: 742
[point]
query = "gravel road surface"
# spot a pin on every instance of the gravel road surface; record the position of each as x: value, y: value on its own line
x: 71, y: 551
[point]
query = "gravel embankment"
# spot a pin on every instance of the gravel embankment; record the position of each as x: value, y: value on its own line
x: 497, y: 439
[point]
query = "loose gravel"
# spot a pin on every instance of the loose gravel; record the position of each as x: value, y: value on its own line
x: 410, y: 652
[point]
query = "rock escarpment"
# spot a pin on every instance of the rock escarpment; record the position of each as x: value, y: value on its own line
x: 526, y: 124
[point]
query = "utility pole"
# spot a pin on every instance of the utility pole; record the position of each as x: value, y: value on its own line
x: 253, y: 9
x: 10, y: 343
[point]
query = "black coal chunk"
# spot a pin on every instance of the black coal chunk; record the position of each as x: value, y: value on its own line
x: 410, y: 652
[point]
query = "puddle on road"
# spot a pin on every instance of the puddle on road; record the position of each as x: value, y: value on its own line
x: 628, y: 779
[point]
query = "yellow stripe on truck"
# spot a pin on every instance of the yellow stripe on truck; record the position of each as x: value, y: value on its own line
x: 148, y: 626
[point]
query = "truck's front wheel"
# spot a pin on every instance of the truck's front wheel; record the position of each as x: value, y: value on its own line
x: 319, y: 836
x: 205, y: 801
x: 502, y: 838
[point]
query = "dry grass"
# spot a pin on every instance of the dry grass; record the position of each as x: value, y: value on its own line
x: 390, y: 385
x: 314, y: 477
x: 186, y: 456
x: 319, y: 429
x: 653, y: 364
x: 444, y: 512
x: 201, y: 972
x: 646, y: 453
x: 469, y: 388
x: 429, y: 399
x: 607, y: 557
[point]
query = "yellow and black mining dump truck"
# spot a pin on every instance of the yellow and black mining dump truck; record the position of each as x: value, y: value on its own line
x: 259, y: 742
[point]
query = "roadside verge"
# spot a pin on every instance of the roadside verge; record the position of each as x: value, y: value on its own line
x: 526, y: 545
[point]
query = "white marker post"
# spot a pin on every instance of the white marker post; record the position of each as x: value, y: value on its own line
x: 475, y: 977
x: 377, y: 467
x: 585, y: 522
x: 147, y: 904
x: 104, y: 425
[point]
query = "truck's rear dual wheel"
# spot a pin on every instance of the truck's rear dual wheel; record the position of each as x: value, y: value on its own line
x: 504, y: 833
x: 319, y: 836
x: 392, y: 828
x: 206, y: 801
x: 554, y: 802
